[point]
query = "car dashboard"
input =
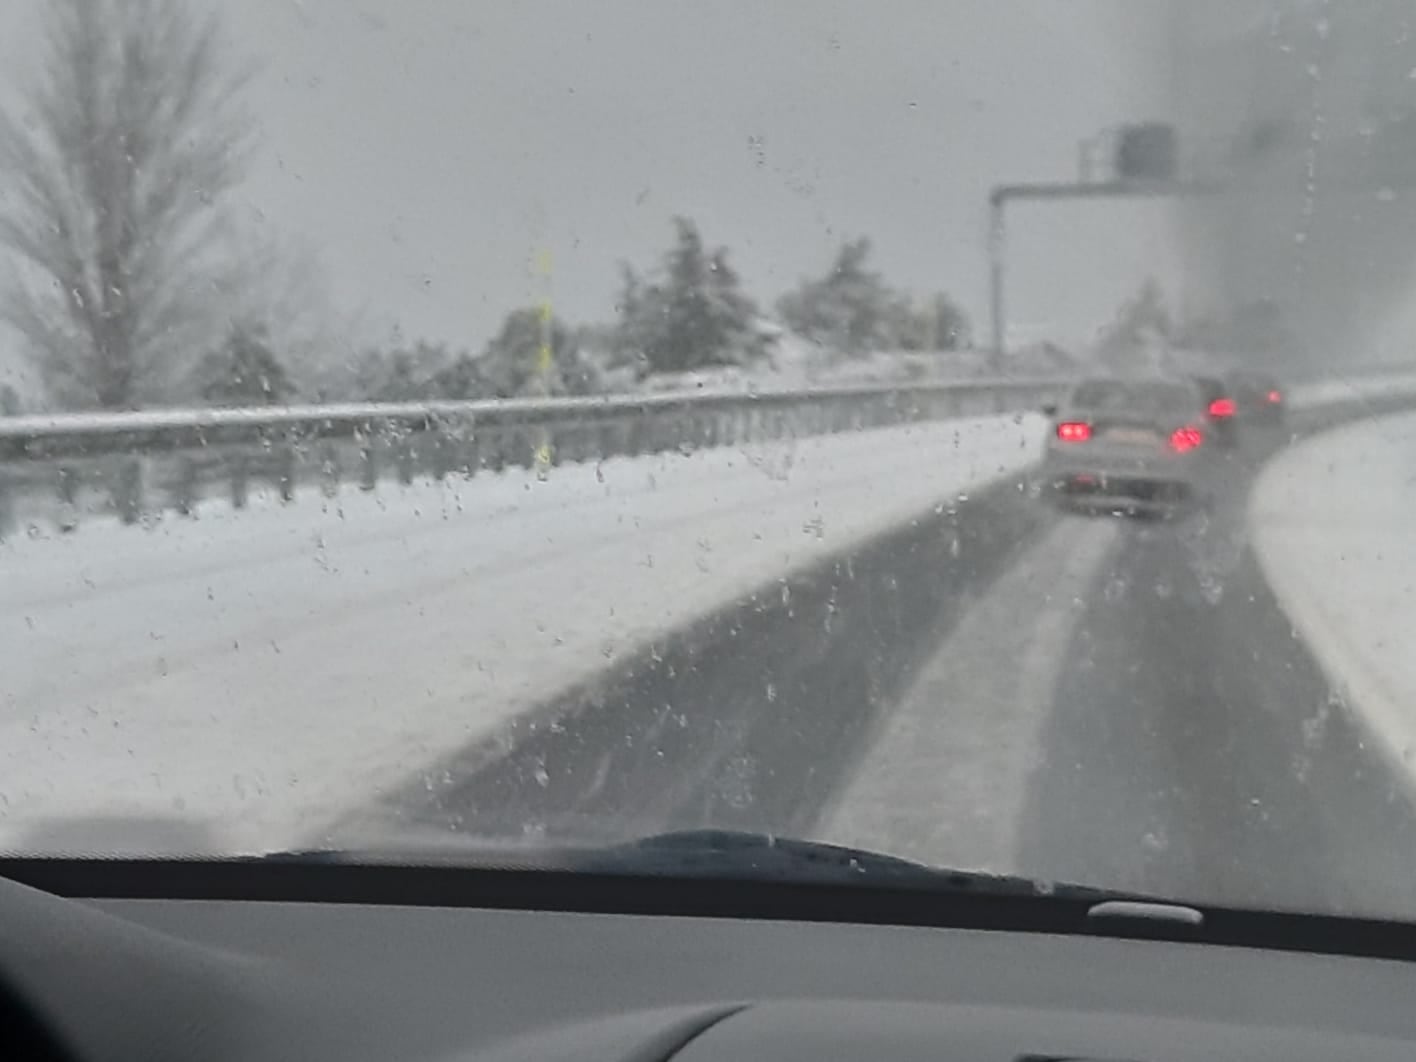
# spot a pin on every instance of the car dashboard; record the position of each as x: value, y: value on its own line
x: 467, y: 975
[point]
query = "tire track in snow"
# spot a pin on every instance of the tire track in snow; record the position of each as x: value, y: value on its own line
x: 946, y: 781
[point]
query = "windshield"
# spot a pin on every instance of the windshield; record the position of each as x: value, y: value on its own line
x: 468, y: 425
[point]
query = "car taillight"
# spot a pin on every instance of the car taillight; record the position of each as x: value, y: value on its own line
x: 1222, y: 407
x: 1275, y: 397
x: 1074, y: 431
x: 1183, y: 440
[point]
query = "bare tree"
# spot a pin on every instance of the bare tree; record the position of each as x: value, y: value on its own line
x: 275, y: 284
x: 113, y: 179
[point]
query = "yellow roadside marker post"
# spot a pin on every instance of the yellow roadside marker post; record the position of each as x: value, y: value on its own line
x: 545, y: 361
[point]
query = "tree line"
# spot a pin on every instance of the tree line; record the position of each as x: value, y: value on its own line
x: 688, y: 313
x: 128, y: 256
x: 1255, y: 329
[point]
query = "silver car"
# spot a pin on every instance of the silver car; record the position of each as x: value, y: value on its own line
x: 1136, y: 446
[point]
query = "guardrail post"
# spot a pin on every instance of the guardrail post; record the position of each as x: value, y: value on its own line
x: 184, y: 489
x: 285, y: 472
x: 368, y: 465
x: 7, y: 505
x: 68, y: 488
x: 615, y: 440
x: 240, y: 481
x: 602, y: 442
x: 329, y: 470
x: 472, y: 453
x: 440, y: 454
x: 128, y: 490
x: 403, y: 456
x: 67, y: 484
x: 496, y: 458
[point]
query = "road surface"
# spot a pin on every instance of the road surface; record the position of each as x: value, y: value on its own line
x: 998, y: 686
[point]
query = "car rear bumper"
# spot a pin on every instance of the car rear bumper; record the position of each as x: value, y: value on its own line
x: 1130, y: 490
x: 1224, y: 432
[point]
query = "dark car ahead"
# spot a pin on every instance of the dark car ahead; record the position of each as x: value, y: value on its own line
x: 1138, y: 446
x: 1257, y: 396
x: 1221, y: 408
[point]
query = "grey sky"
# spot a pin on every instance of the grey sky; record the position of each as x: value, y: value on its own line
x: 429, y: 150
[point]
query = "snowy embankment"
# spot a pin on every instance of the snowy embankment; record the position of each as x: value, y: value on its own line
x: 1353, y: 386
x: 1332, y: 521
x: 266, y: 671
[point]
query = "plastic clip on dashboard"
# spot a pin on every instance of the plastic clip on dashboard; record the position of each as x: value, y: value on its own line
x: 1142, y: 918
x: 1144, y: 913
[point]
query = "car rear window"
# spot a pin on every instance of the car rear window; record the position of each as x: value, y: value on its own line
x: 1133, y: 396
x: 1211, y: 387
x: 1253, y: 384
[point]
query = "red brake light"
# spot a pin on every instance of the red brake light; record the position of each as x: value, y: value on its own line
x: 1222, y: 407
x: 1183, y: 440
x: 1074, y: 431
x: 1275, y: 397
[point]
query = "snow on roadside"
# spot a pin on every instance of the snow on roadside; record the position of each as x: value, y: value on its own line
x: 1331, y: 520
x: 266, y: 671
x: 1347, y: 388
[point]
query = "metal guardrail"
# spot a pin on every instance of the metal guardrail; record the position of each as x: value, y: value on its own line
x: 57, y: 469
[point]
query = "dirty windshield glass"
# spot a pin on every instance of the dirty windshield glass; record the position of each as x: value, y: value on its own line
x: 455, y: 426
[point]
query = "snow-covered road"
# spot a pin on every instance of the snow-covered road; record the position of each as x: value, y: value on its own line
x: 265, y: 671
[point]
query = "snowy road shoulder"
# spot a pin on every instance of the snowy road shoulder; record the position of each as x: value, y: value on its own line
x: 272, y: 668
x: 1331, y: 520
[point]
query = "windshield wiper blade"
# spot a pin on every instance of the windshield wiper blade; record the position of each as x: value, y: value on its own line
x: 714, y: 853
x: 764, y: 856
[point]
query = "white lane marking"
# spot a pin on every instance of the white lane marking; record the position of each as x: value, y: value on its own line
x: 946, y: 780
